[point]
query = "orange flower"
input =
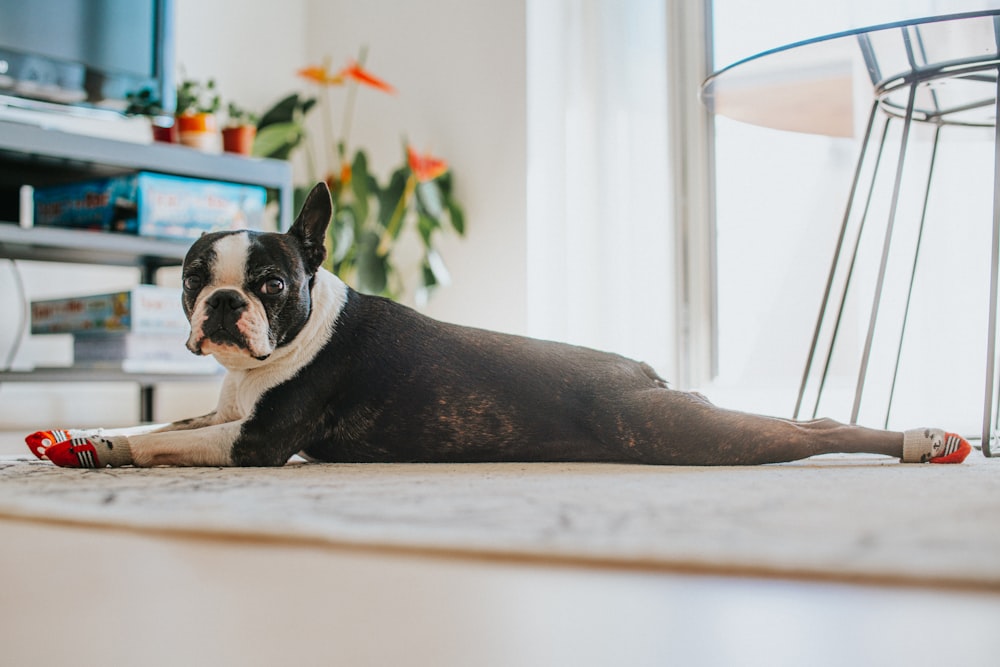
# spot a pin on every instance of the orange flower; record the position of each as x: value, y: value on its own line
x: 425, y: 167
x: 336, y: 183
x: 321, y: 75
x: 359, y: 74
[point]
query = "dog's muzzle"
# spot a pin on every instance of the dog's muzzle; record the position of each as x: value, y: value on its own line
x: 223, y: 310
x: 228, y: 322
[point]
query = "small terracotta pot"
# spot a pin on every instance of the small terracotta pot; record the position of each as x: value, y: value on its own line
x: 165, y: 133
x: 198, y: 130
x: 239, y: 139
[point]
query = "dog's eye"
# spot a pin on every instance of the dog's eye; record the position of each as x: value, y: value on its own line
x: 192, y: 283
x: 272, y: 286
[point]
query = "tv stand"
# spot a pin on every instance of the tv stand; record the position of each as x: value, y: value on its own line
x: 34, y: 155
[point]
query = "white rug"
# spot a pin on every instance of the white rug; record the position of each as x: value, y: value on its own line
x: 841, y: 518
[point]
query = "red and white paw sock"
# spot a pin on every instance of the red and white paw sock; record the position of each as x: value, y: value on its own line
x: 97, y: 451
x: 932, y: 445
x: 39, y: 441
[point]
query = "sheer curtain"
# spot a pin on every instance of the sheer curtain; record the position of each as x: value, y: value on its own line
x: 600, y: 243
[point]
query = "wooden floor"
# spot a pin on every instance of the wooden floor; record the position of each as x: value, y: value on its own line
x: 83, y: 596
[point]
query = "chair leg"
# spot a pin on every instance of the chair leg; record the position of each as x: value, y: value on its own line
x: 824, y: 302
x: 880, y: 281
x: 913, y: 271
x: 991, y: 336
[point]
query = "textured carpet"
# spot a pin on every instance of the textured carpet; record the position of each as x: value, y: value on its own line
x: 841, y: 518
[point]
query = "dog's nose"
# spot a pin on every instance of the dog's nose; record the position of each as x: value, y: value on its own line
x: 226, y: 299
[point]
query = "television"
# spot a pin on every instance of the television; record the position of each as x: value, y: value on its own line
x: 86, y: 55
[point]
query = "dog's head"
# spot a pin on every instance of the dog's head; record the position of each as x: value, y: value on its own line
x: 247, y: 293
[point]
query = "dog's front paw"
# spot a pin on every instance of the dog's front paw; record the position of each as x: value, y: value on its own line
x: 39, y: 441
x: 91, y: 452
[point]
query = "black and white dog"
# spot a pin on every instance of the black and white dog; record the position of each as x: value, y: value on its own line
x: 318, y: 369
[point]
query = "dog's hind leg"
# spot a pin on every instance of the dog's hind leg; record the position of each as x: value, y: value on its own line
x: 679, y: 428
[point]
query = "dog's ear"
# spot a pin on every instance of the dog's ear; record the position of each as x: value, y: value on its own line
x: 310, y: 227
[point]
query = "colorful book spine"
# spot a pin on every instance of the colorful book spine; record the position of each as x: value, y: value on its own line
x: 143, y: 309
x: 151, y: 204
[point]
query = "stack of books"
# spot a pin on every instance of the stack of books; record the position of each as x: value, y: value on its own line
x: 141, y: 330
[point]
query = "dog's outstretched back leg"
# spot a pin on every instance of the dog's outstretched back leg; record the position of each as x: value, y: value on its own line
x: 663, y: 426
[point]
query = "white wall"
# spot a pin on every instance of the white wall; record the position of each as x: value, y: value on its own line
x: 251, y: 47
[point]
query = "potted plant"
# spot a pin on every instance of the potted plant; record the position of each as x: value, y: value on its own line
x: 240, y: 130
x: 145, y: 103
x: 369, y: 215
x: 197, y: 105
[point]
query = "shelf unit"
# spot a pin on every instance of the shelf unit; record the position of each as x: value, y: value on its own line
x: 34, y: 155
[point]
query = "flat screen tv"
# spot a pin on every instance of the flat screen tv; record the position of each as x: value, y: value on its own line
x: 86, y: 55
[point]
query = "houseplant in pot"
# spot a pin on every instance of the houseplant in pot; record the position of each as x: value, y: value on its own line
x: 197, y: 105
x: 371, y: 217
x: 240, y: 130
x: 144, y: 102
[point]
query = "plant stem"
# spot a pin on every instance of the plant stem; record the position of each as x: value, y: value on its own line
x: 328, y: 124
x: 331, y: 156
x: 352, y: 92
x: 311, y: 161
x: 392, y: 229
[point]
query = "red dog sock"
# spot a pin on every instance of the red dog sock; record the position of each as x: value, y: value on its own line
x: 92, y: 452
x: 39, y: 441
x: 932, y: 445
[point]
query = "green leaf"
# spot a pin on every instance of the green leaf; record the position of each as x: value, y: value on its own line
x: 373, y: 269
x: 427, y: 275
x: 445, y: 183
x: 342, y: 234
x: 429, y: 198
x: 278, y: 140
x: 390, y: 196
x: 359, y: 184
x: 282, y: 112
x: 426, y: 226
x: 435, y: 263
x: 456, y: 215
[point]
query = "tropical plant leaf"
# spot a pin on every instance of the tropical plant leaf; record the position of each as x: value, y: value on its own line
x: 429, y: 199
x: 444, y: 182
x: 389, y: 197
x: 278, y: 140
x: 359, y: 184
x: 427, y: 277
x: 426, y: 226
x: 342, y: 234
x: 456, y: 215
x: 282, y: 112
x: 435, y: 263
x: 373, y: 269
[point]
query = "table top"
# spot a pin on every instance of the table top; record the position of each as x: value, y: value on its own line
x: 820, y: 85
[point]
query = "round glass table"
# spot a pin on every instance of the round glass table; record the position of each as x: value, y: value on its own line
x: 940, y: 71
